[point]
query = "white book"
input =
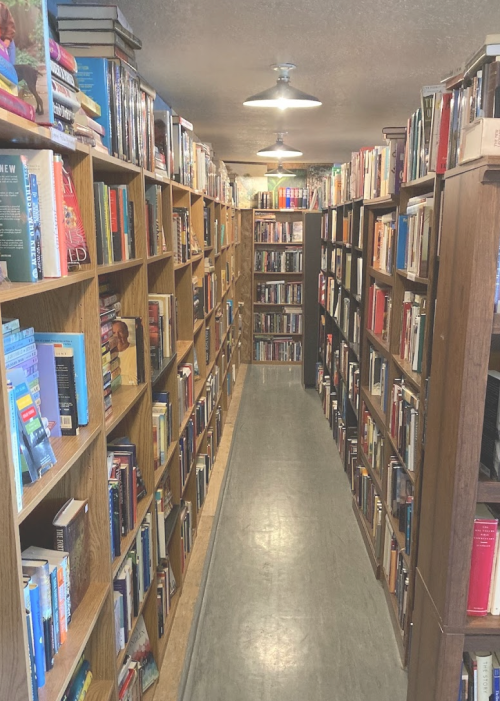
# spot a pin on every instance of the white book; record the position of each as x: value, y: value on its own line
x: 484, y: 675
x: 494, y: 600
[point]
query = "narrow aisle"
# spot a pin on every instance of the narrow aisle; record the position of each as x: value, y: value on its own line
x: 291, y: 609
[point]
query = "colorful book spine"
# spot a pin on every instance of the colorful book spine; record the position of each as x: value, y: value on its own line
x: 483, y: 552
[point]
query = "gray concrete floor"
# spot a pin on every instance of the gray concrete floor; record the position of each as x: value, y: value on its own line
x: 291, y: 609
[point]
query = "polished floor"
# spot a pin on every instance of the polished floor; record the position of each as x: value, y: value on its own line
x: 289, y: 609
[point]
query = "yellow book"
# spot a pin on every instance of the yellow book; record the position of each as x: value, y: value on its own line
x: 90, y: 106
x: 8, y: 86
x: 85, y: 688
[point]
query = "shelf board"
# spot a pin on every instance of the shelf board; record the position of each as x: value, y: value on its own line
x: 79, y: 632
x: 395, y: 450
x: 278, y: 243
x: 163, y: 641
x: 67, y: 450
x: 171, y: 522
x: 376, y: 340
x: 415, y: 378
x: 400, y: 537
x: 276, y: 274
x: 374, y: 406
x: 119, y: 265
x: 160, y: 257
x: 363, y: 527
x: 380, y: 276
x: 183, y: 348
x: 124, y: 399
x: 160, y: 471
x: 100, y: 690
x: 16, y: 290
x: 277, y: 362
x: 105, y: 163
x: 392, y: 605
x: 166, y: 364
x: 276, y: 304
x: 198, y: 326
x: 482, y: 625
x: 180, y: 266
x: 188, y: 476
x: 426, y: 182
x: 185, y: 419
x: 270, y: 333
x: 179, y: 186
x: 123, y: 653
x: 411, y: 277
x: 385, y: 202
x: 488, y: 491
x: 283, y: 210
x: 159, y: 176
x: 197, y: 257
x: 30, y: 135
x: 127, y: 541
x: 209, y: 314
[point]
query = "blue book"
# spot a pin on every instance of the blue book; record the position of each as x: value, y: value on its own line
x: 31, y: 650
x: 76, y: 341
x: 38, y: 571
x: 36, y: 620
x: 49, y: 395
x: 16, y: 455
x: 54, y: 595
x: 287, y: 197
x: 37, y: 231
x: 18, y: 340
x: 496, y: 677
x: 79, y: 681
x: 93, y: 80
x: 402, y: 239
x: 8, y: 71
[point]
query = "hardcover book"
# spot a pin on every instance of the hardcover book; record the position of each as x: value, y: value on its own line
x: 140, y: 651
x: 71, y: 531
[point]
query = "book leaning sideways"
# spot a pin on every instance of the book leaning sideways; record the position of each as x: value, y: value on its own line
x: 36, y: 454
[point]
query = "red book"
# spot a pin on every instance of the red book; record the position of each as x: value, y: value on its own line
x: 379, y: 302
x: 369, y: 324
x: 61, y: 229
x: 483, y: 553
x: 14, y: 104
x: 444, y: 129
x: 61, y: 56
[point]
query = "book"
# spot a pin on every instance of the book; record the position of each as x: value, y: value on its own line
x: 28, y: 51
x: 140, y: 651
x: 75, y: 341
x: 37, y: 624
x: 38, y: 571
x: 484, y: 662
x: 59, y: 560
x: 76, y: 242
x: 36, y: 454
x: 87, y: 11
x: 17, y: 237
x: 483, y: 551
x: 129, y: 335
x: 49, y: 395
x: 89, y: 31
x: 71, y: 535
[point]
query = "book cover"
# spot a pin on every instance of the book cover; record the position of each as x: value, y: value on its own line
x: 125, y: 331
x: 36, y: 620
x: 16, y: 456
x: 38, y: 571
x: 65, y: 373
x: 49, y: 397
x: 60, y: 213
x: 140, y: 651
x: 17, y: 240
x: 59, y: 560
x: 37, y: 455
x: 25, y: 33
x: 76, y: 341
x: 93, y: 81
x: 483, y: 551
x: 76, y: 241
x: 71, y: 535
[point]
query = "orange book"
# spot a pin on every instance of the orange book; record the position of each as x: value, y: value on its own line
x: 281, y: 198
x: 61, y: 600
x: 59, y: 196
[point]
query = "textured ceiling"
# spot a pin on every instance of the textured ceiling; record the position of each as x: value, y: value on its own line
x: 365, y: 60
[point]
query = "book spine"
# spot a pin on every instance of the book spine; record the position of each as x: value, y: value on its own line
x: 483, y: 551
x: 67, y: 393
x: 62, y: 56
x: 59, y: 200
x: 36, y: 618
x: 35, y: 215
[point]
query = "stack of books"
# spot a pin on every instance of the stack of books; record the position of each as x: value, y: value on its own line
x: 63, y: 69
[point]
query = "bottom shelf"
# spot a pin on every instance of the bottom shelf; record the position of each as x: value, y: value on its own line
x: 163, y: 641
x: 392, y: 605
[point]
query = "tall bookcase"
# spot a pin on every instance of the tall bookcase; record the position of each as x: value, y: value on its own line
x: 346, y: 394
x: 72, y: 304
x: 310, y: 229
x: 465, y: 345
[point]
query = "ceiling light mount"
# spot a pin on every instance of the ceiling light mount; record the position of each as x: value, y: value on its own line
x: 279, y: 149
x: 282, y: 95
x: 280, y: 172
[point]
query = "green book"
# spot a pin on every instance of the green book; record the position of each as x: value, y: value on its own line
x: 17, y: 237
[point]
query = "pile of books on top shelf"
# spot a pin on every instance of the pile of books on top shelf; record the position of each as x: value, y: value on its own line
x: 55, y: 582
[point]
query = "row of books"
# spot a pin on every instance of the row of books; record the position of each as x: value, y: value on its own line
x: 372, y: 441
x: 281, y: 349
x: 139, y: 670
x: 288, y: 321
x: 279, y: 292
x: 162, y: 427
x: 287, y: 261
x: 384, y: 243
x: 378, y: 376
x: 132, y: 582
x: 115, y: 227
x: 210, y: 290
x: 186, y: 521
x: 109, y: 309
x: 400, y: 499
x: 284, y: 198
x: 187, y: 448
x: 379, y: 310
x: 414, y: 231
x: 271, y: 231
x: 162, y: 332
x: 181, y: 235
x: 41, y: 233
x: 396, y: 572
x: 413, y: 329
x: 369, y: 503
x: 155, y: 233
x: 490, y: 439
x: 55, y: 581
x: 480, y: 677
x: 185, y: 388
x: 403, y: 422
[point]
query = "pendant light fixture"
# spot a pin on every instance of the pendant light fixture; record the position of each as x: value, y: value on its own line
x: 282, y: 95
x: 279, y: 149
x: 280, y: 172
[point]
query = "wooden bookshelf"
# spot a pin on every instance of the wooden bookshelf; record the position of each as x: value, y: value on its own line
x: 72, y: 304
x: 310, y: 231
x: 345, y: 416
x: 464, y: 349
